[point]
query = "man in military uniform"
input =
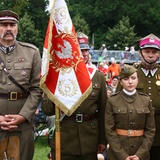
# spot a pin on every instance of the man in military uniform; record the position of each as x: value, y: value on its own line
x: 149, y: 82
x: 20, y: 65
x: 82, y: 133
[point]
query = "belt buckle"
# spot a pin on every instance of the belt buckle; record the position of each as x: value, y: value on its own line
x: 79, y: 117
x: 129, y: 132
x: 13, y: 96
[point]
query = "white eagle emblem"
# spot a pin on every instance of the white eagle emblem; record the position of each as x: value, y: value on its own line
x: 66, y: 51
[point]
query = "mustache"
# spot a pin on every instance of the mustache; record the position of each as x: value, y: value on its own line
x: 7, y: 33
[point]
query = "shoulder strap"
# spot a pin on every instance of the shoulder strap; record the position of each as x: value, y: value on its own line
x: 10, y: 77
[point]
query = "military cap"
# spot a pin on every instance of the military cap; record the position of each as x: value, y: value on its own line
x: 8, y: 16
x: 126, y: 71
x: 150, y: 41
x: 83, y: 40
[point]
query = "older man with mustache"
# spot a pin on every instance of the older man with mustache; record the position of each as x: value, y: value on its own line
x: 20, y: 65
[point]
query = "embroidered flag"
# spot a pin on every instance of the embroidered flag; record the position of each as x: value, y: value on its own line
x: 65, y: 78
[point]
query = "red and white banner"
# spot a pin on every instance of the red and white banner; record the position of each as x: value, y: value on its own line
x: 65, y: 78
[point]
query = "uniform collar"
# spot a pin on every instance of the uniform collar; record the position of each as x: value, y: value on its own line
x: 146, y: 71
x: 129, y: 93
x: 129, y: 98
x: 91, y: 70
x: 7, y: 49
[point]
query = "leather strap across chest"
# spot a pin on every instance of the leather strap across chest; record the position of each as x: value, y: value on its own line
x: 10, y: 77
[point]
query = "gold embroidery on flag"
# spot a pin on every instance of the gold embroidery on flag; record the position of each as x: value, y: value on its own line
x: 67, y: 89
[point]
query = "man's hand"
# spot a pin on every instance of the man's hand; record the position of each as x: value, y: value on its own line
x: 11, y: 122
x: 101, y: 148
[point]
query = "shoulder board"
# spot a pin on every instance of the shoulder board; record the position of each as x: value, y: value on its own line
x: 114, y: 94
x: 144, y: 94
x: 28, y: 45
x: 136, y: 65
x: 100, y: 72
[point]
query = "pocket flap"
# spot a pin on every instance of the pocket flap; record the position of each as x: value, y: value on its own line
x: 142, y: 110
x: 120, y: 110
x: 22, y: 65
x: 96, y: 86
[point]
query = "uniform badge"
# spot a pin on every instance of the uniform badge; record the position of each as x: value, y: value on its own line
x: 158, y: 79
x: 20, y: 59
x: 93, y: 94
x: 126, y: 70
x: 23, y: 73
x: 158, y: 83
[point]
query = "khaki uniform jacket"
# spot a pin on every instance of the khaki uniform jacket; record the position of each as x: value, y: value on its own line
x: 23, y: 64
x: 80, y: 138
x: 129, y: 112
x: 147, y: 85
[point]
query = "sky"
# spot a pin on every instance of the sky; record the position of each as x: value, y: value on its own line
x: 50, y: 4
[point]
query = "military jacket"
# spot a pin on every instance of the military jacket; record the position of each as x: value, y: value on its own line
x: 147, y: 84
x: 129, y: 113
x: 80, y: 138
x: 23, y: 64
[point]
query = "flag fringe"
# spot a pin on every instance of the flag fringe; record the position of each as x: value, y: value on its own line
x: 62, y: 106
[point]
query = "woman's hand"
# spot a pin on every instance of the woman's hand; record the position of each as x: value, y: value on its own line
x: 134, y: 157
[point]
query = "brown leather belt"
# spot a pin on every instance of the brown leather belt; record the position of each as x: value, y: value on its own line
x: 130, y: 133
x: 12, y: 96
x: 81, y: 117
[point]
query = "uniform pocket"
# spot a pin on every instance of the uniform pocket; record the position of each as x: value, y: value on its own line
x: 22, y: 71
x: 95, y: 91
x: 120, y: 115
x: 141, y: 114
x: 143, y: 110
x: 120, y: 110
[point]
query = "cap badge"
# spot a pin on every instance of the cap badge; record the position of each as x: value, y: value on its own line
x: 151, y: 39
x: 126, y: 70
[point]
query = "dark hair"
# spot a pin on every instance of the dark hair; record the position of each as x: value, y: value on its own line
x: 115, y: 77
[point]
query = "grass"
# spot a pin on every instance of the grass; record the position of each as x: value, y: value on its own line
x: 41, y: 149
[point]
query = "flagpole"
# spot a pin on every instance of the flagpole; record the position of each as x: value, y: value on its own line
x: 57, y: 134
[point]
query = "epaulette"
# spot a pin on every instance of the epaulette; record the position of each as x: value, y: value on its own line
x: 136, y: 65
x: 114, y: 94
x: 28, y: 45
x: 99, y: 72
x: 144, y: 94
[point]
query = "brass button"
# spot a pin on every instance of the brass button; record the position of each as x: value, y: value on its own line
x: 131, y: 111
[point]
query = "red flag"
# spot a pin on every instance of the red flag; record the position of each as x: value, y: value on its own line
x: 65, y: 78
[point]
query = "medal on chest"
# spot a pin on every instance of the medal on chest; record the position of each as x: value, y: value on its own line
x: 157, y: 79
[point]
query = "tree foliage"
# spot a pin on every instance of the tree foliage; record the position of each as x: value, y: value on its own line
x: 33, y: 19
x: 93, y: 16
x: 122, y: 34
x: 80, y: 24
x: 26, y: 27
x: 105, y: 14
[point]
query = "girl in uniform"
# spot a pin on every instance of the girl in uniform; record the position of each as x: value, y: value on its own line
x: 129, y: 120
